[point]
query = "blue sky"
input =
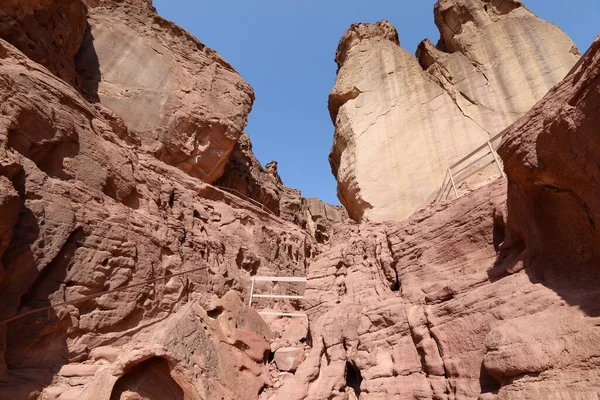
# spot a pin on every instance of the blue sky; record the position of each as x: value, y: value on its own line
x: 285, y: 50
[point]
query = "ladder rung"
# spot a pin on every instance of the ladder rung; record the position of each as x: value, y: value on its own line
x: 278, y: 279
x: 282, y: 314
x: 275, y: 296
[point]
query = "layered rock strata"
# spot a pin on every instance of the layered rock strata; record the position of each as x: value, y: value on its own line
x: 85, y: 213
x: 491, y: 297
x: 493, y: 62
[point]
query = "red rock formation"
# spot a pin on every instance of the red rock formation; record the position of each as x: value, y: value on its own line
x: 474, y: 299
x: 550, y: 157
x: 481, y: 298
x: 248, y: 179
x: 187, y: 104
x: 415, y: 118
x: 49, y: 32
x: 96, y: 215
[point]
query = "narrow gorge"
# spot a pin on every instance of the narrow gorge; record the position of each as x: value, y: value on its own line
x: 136, y: 223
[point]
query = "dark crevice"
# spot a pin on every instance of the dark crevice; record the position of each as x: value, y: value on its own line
x: 487, y: 383
x: 172, y: 198
x: 499, y: 231
x: 215, y: 313
x: 150, y: 379
x: 396, y: 286
x: 353, y: 378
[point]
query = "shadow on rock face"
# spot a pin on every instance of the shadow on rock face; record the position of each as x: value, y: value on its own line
x: 553, y: 206
x: 150, y: 380
x: 88, y: 67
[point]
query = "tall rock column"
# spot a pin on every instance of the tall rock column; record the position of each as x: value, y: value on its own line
x: 400, y: 125
x: 396, y: 129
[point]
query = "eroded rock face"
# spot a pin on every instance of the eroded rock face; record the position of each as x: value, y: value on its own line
x: 390, y: 114
x: 196, y: 353
x: 480, y: 298
x: 550, y: 157
x: 375, y: 297
x: 187, y: 104
x: 494, y: 61
x: 49, y: 32
x: 246, y: 177
x: 416, y: 310
x: 89, y: 213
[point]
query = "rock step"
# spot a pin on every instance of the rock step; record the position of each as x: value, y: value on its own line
x: 72, y: 370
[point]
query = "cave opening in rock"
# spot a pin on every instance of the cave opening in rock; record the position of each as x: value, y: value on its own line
x: 353, y: 377
x: 396, y: 285
x: 149, y: 380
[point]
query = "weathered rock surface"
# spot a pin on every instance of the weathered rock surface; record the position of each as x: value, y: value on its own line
x: 246, y: 177
x: 49, y: 32
x: 288, y: 358
x: 493, y: 296
x: 551, y: 156
x: 186, y: 103
x: 481, y: 298
x: 88, y: 213
x: 494, y: 61
x: 193, y: 354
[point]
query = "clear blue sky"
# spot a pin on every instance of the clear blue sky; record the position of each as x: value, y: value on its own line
x: 285, y: 50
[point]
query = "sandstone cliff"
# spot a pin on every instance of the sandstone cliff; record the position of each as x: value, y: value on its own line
x: 142, y: 269
x: 479, y: 298
x: 245, y: 176
x: 186, y: 103
x: 493, y: 62
x: 89, y: 207
x: 84, y: 213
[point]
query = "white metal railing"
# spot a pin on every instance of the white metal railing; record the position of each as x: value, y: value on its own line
x: 464, y: 168
x: 287, y: 279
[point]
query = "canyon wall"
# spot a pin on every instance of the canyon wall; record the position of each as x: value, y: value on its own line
x: 91, y: 206
x: 124, y: 274
x: 413, y: 118
x: 185, y: 102
x: 245, y: 176
x: 493, y: 296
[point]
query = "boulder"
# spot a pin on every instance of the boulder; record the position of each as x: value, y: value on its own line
x: 288, y: 358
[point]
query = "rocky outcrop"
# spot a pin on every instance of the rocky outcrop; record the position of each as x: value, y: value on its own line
x: 86, y: 213
x: 493, y: 62
x: 245, y: 177
x: 49, y: 32
x: 124, y: 276
x: 185, y: 102
x: 214, y: 350
x: 480, y: 298
x: 209, y: 349
x: 376, y: 299
x: 550, y: 156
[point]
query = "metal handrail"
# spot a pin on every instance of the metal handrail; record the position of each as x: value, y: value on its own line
x: 288, y: 279
x: 246, y: 198
x: 451, y: 181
